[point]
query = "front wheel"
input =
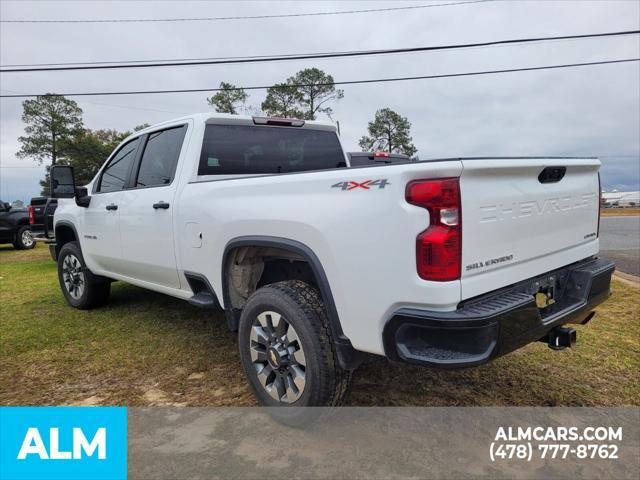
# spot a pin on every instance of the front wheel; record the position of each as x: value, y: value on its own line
x: 24, y: 238
x: 81, y: 289
x: 286, y: 348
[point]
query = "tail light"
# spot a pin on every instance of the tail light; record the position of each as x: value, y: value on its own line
x: 381, y: 155
x: 439, y: 247
x: 32, y: 217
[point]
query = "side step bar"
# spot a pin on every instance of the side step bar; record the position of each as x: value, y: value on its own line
x: 203, y: 300
x: 203, y: 294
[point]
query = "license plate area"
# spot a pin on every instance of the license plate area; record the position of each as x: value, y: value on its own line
x: 546, y: 294
x: 547, y: 290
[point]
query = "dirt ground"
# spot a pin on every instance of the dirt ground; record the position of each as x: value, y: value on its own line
x: 144, y: 348
x: 620, y: 212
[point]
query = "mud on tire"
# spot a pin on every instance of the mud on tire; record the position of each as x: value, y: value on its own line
x: 278, y: 321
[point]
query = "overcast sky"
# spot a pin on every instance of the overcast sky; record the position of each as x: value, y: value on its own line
x: 591, y: 111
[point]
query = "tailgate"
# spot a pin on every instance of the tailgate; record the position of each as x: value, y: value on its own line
x: 525, y: 216
x: 43, y: 212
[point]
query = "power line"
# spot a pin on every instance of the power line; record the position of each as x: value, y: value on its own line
x: 173, y: 63
x: 155, y: 60
x: 249, y: 17
x: 127, y: 107
x: 346, y: 82
x: 162, y: 60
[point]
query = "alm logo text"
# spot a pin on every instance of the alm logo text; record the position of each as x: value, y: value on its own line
x: 63, y: 443
x: 33, y: 444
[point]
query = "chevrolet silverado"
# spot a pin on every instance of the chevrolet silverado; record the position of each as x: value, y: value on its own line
x: 444, y: 263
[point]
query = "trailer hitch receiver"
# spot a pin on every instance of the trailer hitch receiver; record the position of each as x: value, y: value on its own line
x: 560, y: 338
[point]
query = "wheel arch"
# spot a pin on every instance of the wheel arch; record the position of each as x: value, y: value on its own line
x: 348, y: 357
x: 65, y: 232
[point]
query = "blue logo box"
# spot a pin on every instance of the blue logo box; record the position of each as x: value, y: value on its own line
x: 56, y: 443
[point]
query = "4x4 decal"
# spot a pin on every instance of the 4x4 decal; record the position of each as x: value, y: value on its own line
x: 366, y: 185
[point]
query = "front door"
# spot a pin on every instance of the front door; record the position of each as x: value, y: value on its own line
x: 101, y: 233
x: 146, y: 215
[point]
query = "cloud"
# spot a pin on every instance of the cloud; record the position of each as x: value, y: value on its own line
x: 582, y: 111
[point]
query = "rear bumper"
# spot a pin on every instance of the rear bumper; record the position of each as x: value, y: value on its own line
x: 499, y: 322
x: 41, y: 236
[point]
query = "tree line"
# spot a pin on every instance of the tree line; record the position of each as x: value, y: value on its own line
x: 303, y: 95
x: 55, y: 132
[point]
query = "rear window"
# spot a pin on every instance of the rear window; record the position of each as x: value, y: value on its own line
x: 246, y: 150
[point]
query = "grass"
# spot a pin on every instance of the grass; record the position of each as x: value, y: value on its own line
x: 144, y: 348
x: 620, y: 212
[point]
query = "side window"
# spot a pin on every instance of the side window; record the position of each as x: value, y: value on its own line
x: 160, y: 157
x: 114, y: 177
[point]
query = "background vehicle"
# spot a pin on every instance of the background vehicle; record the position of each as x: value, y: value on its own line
x: 620, y: 199
x: 14, y: 227
x: 447, y: 263
x: 41, y: 220
x: 41, y: 211
x: 374, y: 158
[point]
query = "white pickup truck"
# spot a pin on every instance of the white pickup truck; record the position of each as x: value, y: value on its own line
x: 445, y: 263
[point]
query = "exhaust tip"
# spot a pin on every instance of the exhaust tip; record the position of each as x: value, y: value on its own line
x: 588, y: 318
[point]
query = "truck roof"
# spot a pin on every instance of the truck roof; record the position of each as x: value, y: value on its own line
x: 226, y: 119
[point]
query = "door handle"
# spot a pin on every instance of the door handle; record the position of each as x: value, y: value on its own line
x: 161, y: 204
x: 112, y: 206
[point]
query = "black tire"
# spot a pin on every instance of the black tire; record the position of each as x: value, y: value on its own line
x: 24, y: 238
x: 91, y: 291
x: 301, y: 306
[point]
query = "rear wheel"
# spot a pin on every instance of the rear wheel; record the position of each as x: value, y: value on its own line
x: 81, y: 289
x: 24, y: 238
x: 278, y: 357
x: 287, y: 351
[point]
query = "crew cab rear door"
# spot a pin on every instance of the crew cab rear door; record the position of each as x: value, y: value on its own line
x: 146, y: 214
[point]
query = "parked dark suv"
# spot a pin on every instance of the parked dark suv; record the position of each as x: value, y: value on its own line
x: 14, y: 227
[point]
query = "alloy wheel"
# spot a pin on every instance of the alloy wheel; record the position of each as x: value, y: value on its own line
x: 278, y: 357
x: 73, y: 276
x: 27, y: 238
